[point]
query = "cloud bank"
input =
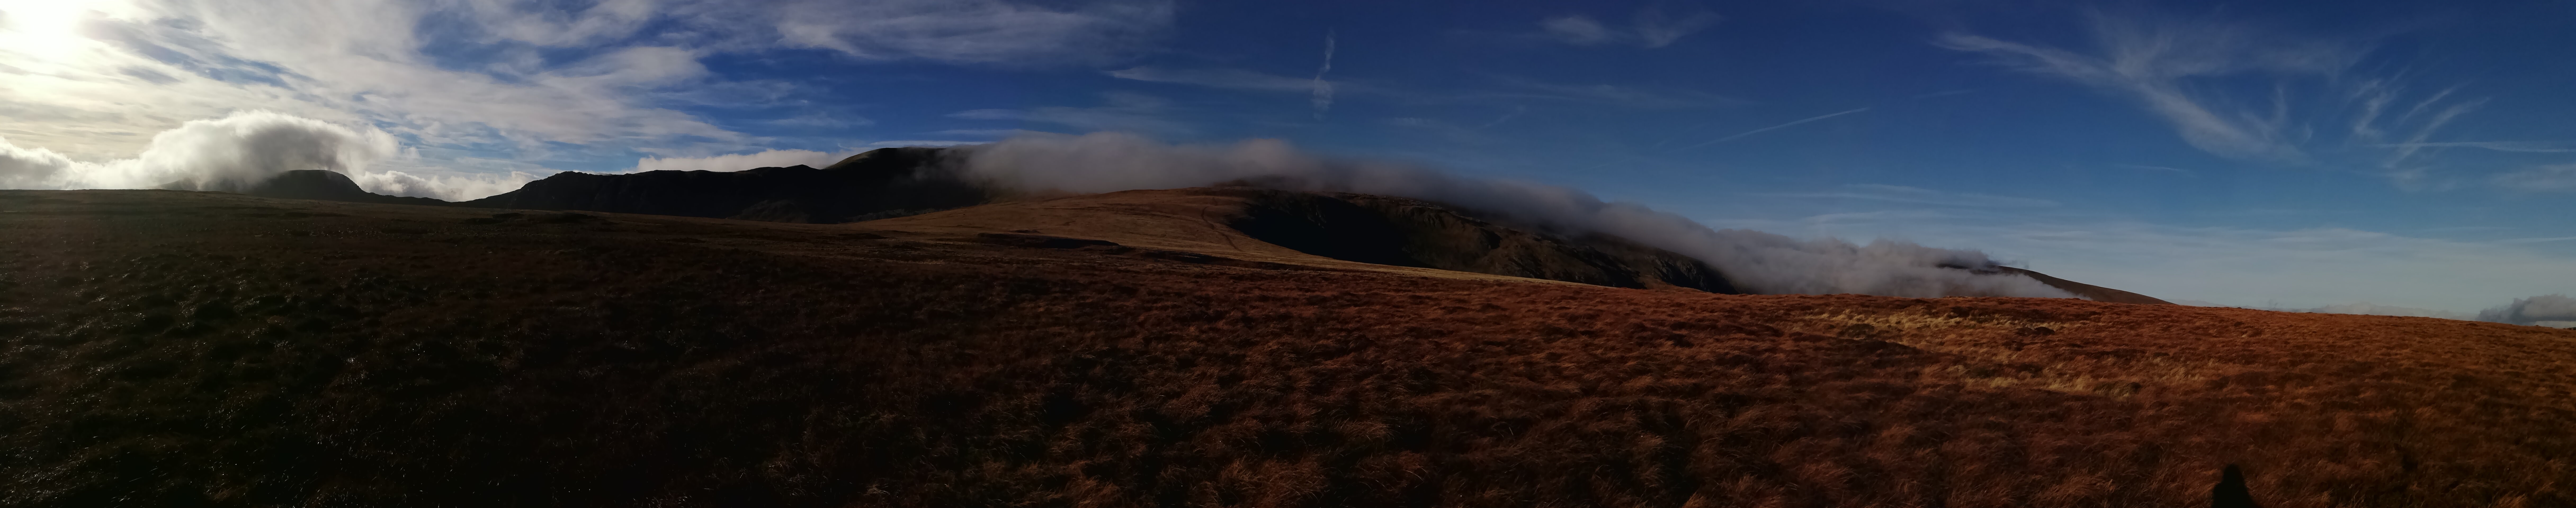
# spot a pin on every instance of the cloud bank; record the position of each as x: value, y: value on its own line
x: 1756, y: 261
x: 738, y: 162
x: 2296, y: 269
x: 2533, y: 310
x: 228, y: 153
x: 237, y: 151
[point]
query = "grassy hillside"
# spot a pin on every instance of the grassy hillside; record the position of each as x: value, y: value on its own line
x: 162, y: 348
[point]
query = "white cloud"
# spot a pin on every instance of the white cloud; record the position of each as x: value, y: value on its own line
x: 1603, y: 94
x: 1752, y: 260
x: 91, y: 80
x: 445, y: 185
x: 992, y: 133
x: 2553, y: 309
x: 1235, y: 79
x: 1322, y: 93
x: 2500, y: 146
x: 1771, y: 128
x: 1120, y: 111
x: 1653, y: 27
x: 220, y: 154
x: 1922, y: 196
x: 979, y: 31
x: 155, y: 65
x: 236, y: 151
x: 738, y: 162
x: 924, y: 142
x: 2178, y: 171
x: 1656, y: 28
x: 2295, y: 269
x: 32, y: 168
x: 2550, y: 178
x: 990, y: 114
x: 825, y: 120
x: 2189, y: 72
x: 1578, y: 30
x: 2148, y: 64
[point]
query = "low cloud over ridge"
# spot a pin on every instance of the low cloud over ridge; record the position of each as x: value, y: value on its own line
x: 217, y: 154
x: 2533, y: 310
x: 236, y: 151
x: 1756, y: 261
x: 738, y: 162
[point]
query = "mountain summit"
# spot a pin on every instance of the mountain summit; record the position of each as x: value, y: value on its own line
x: 887, y: 182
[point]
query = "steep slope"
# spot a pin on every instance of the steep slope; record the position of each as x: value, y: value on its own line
x: 327, y: 186
x: 315, y: 184
x: 1365, y: 232
x: 1410, y: 232
x: 879, y: 183
x: 201, y: 349
x: 1341, y: 230
x: 2088, y: 291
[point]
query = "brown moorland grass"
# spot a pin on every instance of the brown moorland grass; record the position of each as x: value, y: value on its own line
x: 167, y: 348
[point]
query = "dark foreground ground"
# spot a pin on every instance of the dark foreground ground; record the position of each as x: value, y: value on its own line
x: 163, y: 348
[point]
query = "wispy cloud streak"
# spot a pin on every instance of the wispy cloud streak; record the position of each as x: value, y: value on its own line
x: 2183, y: 172
x: 1920, y: 196
x: 1769, y: 129
x: 2500, y: 146
x: 1324, y: 89
x: 2550, y: 178
x: 1232, y: 79
x: 2241, y: 92
x: 1652, y: 28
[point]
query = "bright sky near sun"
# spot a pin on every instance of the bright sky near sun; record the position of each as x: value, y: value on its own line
x: 2288, y: 154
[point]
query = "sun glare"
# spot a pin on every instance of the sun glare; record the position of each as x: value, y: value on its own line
x: 49, y: 31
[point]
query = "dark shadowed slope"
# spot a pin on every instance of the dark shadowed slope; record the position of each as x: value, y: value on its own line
x: 315, y: 184
x: 887, y: 182
x: 1348, y: 231
x: 1410, y: 232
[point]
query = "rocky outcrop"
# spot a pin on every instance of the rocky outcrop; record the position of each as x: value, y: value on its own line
x: 881, y: 183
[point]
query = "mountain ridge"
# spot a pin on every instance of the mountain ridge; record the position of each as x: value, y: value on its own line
x: 875, y: 184
x: 890, y: 183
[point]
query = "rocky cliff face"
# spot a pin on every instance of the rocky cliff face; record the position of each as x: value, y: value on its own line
x: 889, y: 182
x: 1410, y: 232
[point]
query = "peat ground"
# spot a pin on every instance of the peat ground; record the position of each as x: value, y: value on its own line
x: 164, y: 348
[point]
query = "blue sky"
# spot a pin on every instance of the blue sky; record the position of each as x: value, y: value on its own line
x: 2293, y: 154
